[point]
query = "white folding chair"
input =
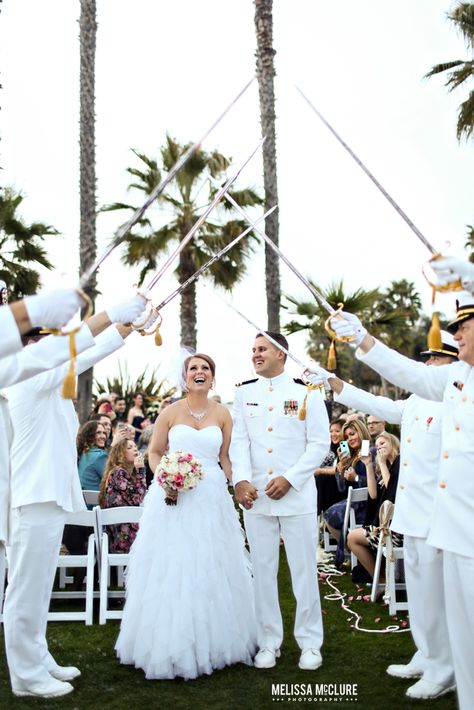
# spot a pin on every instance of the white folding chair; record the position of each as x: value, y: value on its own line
x: 354, y: 495
x: 328, y: 546
x: 112, y: 516
x: 91, y: 497
x: 393, y: 558
x: 85, y: 518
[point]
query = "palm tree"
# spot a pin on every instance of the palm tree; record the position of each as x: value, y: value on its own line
x: 391, y: 315
x: 87, y: 187
x: 463, y: 18
x: 182, y: 203
x: 265, y: 75
x: 20, y: 246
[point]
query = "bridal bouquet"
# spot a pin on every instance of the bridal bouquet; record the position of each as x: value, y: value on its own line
x: 178, y: 472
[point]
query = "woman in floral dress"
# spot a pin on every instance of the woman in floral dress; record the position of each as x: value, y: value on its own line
x: 123, y: 483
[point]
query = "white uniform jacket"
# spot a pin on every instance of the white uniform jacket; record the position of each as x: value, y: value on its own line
x: 43, y: 455
x: 420, y: 449
x: 452, y: 527
x: 10, y: 340
x: 269, y: 440
x: 49, y: 352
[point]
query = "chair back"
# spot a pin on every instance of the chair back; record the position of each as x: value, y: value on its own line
x: 116, y: 516
x: 91, y: 497
x: 85, y: 518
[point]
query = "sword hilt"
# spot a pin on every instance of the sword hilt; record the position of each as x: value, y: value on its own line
x: 455, y: 285
x: 332, y: 334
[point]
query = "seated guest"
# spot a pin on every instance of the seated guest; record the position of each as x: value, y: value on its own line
x: 106, y: 422
x: 328, y: 491
x: 350, y: 472
x: 120, y: 409
x: 382, y: 481
x: 123, y: 483
x: 92, y: 456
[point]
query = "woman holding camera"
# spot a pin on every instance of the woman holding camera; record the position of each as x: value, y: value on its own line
x: 382, y: 481
x: 350, y: 472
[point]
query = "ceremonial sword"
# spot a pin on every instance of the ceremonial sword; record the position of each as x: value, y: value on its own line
x: 122, y: 232
x: 211, y: 261
x: 359, y: 162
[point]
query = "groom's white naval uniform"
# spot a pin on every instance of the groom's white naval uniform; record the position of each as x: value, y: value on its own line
x: 269, y: 440
x: 420, y: 450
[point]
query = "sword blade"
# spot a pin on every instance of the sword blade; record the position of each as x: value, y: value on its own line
x: 317, y: 295
x: 218, y: 196
x: 262, y: 331
x: 211, y: 261
x: 359, y: 162
x: 122, y: 232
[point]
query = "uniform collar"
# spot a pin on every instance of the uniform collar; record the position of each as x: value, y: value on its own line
x: 274, y: 381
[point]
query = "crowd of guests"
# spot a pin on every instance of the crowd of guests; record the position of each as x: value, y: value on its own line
x: 348, y: 465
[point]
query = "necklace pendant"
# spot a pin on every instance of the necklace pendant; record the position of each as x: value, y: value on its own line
x: 198, y: 416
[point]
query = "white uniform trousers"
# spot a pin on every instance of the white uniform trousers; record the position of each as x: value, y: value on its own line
x: 300, y: 537
x: 35, y: 541
x: 426, y: 607
x: 459, y: 594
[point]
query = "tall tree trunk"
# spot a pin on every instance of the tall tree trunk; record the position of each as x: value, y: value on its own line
x: 265, y: 75
x: 87, y: 238
x: 188, y: 302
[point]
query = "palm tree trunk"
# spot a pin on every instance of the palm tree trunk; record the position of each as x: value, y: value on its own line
x: 188, y: 308
x: 265, y: 75
x: 87, y: 237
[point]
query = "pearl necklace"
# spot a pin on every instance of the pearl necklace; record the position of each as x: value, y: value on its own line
x: 198, y: 416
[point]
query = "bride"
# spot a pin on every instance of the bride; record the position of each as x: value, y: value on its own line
x: 189, y: 607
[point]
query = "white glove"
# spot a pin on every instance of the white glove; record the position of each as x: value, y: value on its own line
x: 349, y: 326
x: 150, y: 317
x: 317, y: 376
x: 53, y: 309
x: 127, y: 311
x: 449, y: 269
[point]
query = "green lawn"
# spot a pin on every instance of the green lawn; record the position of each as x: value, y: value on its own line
x: 349, y: 656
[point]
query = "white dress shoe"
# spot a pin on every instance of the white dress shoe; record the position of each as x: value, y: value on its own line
x: 65, y: 672
x: 404, y: 671
x: 426, y: 690
x: 266, y: 658
x: 310, y: 660
x: 51, y: 688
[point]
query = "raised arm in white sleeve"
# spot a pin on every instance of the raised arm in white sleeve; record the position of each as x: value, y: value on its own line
x: 10, y: 339
x: 45, y: 355
x: 317, y: 442
x: 427, y: 382
x: 383, y: 407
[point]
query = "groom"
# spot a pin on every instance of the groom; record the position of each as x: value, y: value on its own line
x: 274, y: 455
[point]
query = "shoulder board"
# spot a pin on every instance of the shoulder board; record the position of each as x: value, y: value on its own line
x: 246, y: 382
x: 298, y: 381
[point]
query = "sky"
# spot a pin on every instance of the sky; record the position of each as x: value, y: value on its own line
x: 173, y: 67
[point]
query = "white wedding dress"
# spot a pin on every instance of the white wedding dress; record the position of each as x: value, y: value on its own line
x: 189, y: 606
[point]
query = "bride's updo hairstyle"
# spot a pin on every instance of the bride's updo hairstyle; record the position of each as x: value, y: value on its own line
x: 201, y: 356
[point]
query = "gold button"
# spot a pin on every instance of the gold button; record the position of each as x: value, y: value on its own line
x: 442, y: 484
x: 270, y: 408
x: 269, y: 451
x: 402, y: 488
x: 405, y: 463
x: 445, y: 455
x: 416, y: 418
x: 270, y: 471
x: 457, y: 427
x: 464, y: 398
x: 409, y: 440
x: 270, y: 389
x: 451, y: 397
x: 270, y: 428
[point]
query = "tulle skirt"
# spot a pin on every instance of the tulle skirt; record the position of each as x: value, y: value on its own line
x: 189, y: 605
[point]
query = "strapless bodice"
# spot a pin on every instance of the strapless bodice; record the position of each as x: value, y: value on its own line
x: 204, y: 444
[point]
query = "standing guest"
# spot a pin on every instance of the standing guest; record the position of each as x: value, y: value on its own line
x: 376, y: 426
x: 137, y: 416
x: 382, y: 481
x: 43, y: 490
x: 123, y: 483
x: 420, y: 451
x: 120, y: 409
x: 143, y: 444
x: 451, y: 528
x: 274, y: 455
x: 104, y: 406
x: 92, y: 455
